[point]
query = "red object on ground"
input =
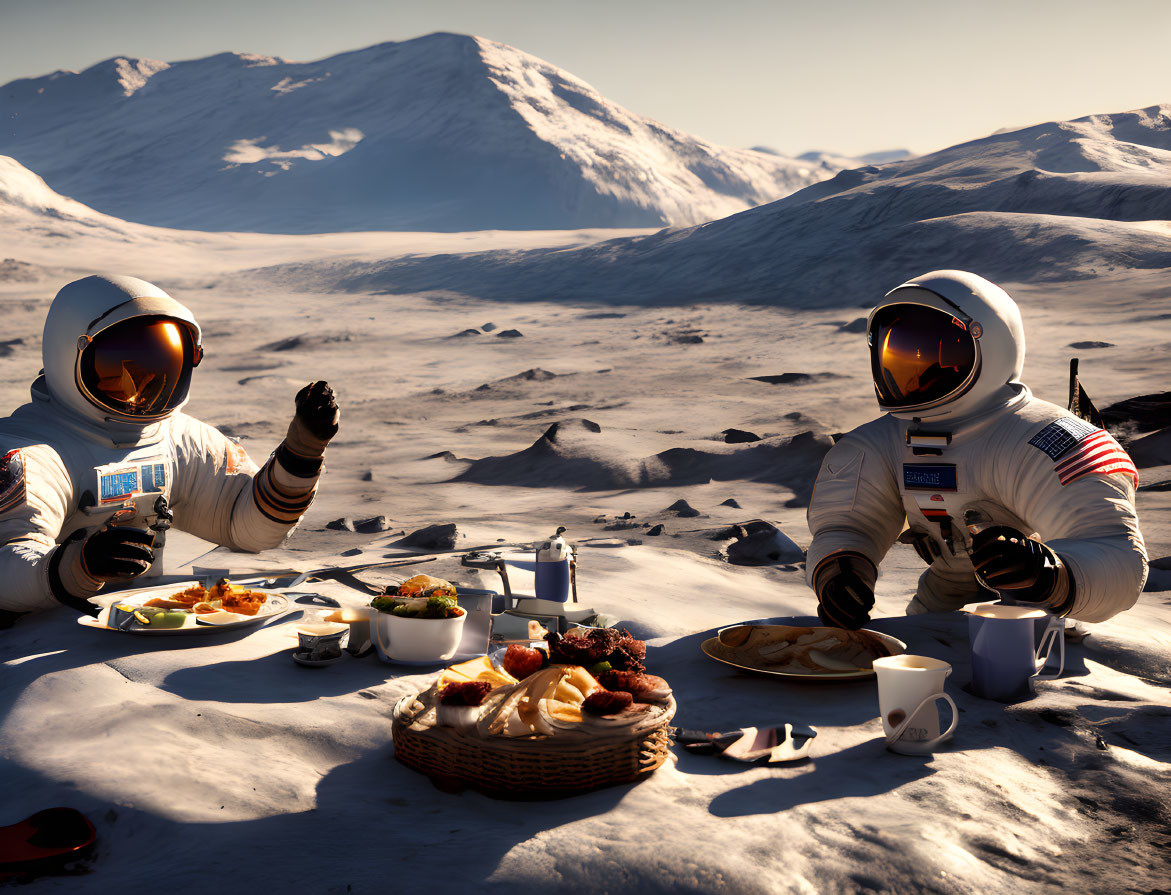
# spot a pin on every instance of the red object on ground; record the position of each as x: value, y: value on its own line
x: 46, y: 839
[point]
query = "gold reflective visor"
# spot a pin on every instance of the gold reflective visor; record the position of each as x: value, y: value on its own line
x: 919, y: 355
x: 139, y: 368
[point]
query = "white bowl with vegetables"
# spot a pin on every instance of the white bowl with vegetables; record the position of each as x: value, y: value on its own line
x: 418, y: 622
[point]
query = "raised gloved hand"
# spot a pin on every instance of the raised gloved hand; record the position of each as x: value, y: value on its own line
x: 1006, y: 560
x: 315, y: 422
x: 844, y: 584
x: 114, y: 554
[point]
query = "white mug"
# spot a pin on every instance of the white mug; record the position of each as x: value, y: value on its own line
x: 909, y: 688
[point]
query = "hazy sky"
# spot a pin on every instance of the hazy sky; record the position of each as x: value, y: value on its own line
x: 842, y: 75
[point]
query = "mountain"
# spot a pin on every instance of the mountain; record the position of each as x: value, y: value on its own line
x: 444, y: 132
x: 1049, y: 202
x: 27, y: 202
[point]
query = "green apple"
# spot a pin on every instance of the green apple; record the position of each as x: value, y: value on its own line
x: 170, y: 618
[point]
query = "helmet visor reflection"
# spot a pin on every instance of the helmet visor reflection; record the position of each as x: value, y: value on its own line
x: 139, y: 367
x: 919, y: 355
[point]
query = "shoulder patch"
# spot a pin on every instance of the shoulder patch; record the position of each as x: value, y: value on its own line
x: 1078, y: 449
x: 1060, y: 435
x: 12, y: 489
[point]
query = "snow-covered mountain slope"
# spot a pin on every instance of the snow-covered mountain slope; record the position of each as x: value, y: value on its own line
x: 1049, y: 202
x: 26, y: 201
x: 444, y: 132
x: 52, y: 232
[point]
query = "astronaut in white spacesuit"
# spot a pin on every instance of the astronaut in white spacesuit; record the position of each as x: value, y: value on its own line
x: 101, y: 460
x: 990, y: 480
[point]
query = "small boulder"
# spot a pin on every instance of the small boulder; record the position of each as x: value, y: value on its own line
x: 655, y: 532
x: 509, y: 334
x: 441, y: 536
x: 761, y: 543
x: 739, y: 436
x: 373, y: 525
x: 368, y: 475
x: 345, y: 523
x: 731, y: 502
x: 283, y: 344
x: 489, y: 327
x: 464, y: 333
x: 1092, y: 343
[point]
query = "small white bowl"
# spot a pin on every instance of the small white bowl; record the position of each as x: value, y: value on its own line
x: 416, y: 641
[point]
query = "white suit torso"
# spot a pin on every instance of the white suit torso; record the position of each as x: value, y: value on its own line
x: 1002, y: 463
x: 78, y: 475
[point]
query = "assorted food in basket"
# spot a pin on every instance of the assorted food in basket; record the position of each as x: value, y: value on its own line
x: 540, y: 723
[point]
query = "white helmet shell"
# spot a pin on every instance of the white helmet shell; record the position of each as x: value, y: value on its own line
x: 996, y: 326
x: 84, y: 308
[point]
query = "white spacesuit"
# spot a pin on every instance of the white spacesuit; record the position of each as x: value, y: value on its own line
x: 973, y: 463
x: 102, y: 454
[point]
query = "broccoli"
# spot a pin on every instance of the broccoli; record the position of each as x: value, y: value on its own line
x: 383, y: 603
x: 439, y: 606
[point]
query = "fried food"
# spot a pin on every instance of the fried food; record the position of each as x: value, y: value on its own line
x: 592, y: 646
x: 607, y: 702
x: 221, y: 596
x: 643, y: 687
x: 799, y: 650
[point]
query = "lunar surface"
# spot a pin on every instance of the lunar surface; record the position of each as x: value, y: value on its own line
x: 213, y: 759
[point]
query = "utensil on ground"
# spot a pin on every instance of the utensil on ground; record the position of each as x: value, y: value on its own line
x: 786, y: 742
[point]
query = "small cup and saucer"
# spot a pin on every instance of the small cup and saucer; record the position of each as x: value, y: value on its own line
x: 319, y: 643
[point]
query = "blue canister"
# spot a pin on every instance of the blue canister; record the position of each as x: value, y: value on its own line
x: 552, y: 569
x: 1005, y: 658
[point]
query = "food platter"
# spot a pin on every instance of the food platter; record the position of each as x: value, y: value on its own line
x: 750, y: 661
x: 527, y: 767
x: 276, y: 604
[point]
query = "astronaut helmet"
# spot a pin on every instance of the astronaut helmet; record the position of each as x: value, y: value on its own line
x: 945, y: 345
x: 117, y: 348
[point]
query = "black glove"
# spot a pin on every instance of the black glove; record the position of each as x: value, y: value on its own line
x: 112, y: 554
x: 1005, y: 559
x: 317, y: 409
x: 843, y: 594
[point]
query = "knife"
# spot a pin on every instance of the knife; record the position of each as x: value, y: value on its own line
x: 786, y: 742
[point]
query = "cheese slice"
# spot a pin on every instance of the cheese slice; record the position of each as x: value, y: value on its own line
x: 480, y: 669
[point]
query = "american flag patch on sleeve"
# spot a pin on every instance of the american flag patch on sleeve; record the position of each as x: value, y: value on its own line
x: 1078, y: 449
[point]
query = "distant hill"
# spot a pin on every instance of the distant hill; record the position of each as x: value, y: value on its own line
x: 1049, y: 202
x: 27, y: 202
x: 444, y: 132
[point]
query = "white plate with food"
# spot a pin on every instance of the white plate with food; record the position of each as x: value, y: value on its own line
x: 187, y: 607
x: 802, y: 653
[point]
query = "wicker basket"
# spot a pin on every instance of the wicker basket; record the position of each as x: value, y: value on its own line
x: 533, y: 767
